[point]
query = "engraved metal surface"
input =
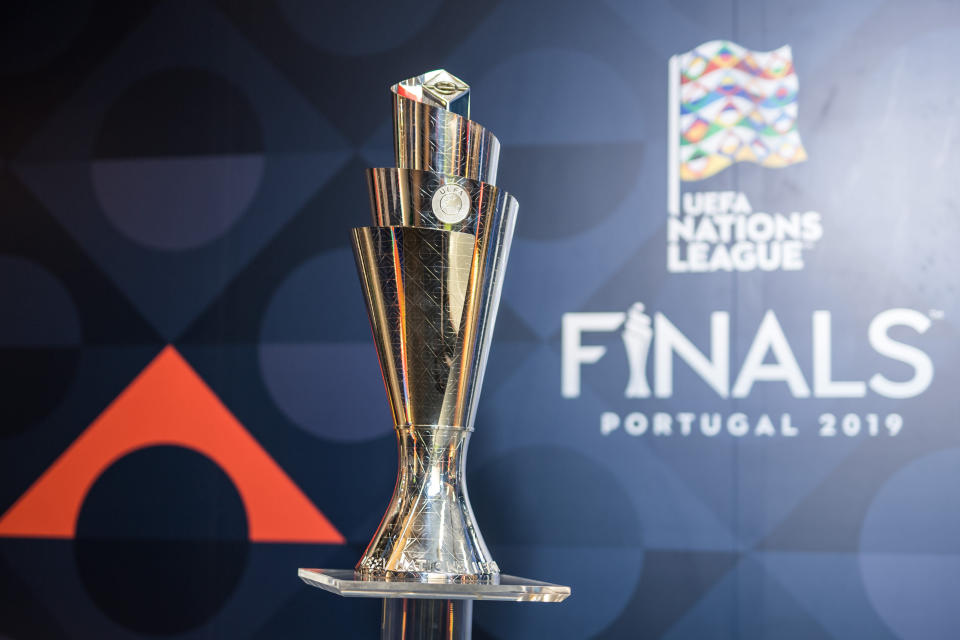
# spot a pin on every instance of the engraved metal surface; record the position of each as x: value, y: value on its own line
x: 415, y: 284
x: 429, y: 532
x: 405, y: 197
x: 433, y: 138
x: 510, y: 588
x: 494, y: 238
x: 439, y: 88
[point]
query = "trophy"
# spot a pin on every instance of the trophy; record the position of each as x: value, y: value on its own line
x: 431, y: 268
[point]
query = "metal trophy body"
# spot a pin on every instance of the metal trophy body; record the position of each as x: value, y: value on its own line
x: 431, y: 270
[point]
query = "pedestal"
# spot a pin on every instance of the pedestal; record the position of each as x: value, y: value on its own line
x: 426, y: 619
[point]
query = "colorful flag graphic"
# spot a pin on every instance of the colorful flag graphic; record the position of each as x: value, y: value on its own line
x: 735, y: 105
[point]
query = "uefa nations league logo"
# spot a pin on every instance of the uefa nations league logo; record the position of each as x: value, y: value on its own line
x: 729, y: 104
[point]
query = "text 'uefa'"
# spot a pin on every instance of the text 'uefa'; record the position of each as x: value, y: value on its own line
x: 720, y: 231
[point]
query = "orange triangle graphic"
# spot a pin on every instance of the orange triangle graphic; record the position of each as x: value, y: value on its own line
x: 169, y: 404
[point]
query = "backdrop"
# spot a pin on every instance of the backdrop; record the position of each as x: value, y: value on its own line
x: 722, y: 394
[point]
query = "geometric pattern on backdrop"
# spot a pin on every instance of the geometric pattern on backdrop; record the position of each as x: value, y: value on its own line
x: 688, y: 521
x: 169, y: 404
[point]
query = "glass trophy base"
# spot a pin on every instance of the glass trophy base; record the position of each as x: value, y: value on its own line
x: 344, y: 582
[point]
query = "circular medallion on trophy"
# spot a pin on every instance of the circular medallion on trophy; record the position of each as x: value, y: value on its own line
x: 451, y: 203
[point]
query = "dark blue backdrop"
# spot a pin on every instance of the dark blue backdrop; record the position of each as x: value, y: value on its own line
x: 185, y: 173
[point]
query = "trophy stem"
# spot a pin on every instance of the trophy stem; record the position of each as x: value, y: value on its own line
x: 429, y: 533
x: 420, y: 619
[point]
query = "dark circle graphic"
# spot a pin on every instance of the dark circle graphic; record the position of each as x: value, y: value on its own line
x: 332, y: 391
x: 176, y: 203
x: 519, y: 507
x: 319, y: 301
x: 179, y: 112
x: 39, y: 343
x: 589, y: 150
x: 315, y: 324
x: 554, y: 513
x: 910, y: 548
x: 179, y: 159
x: 334, y: 26
x: 553, y: 110
x: 162, y: 540
x: 37, y: 309
x: 588, y: 183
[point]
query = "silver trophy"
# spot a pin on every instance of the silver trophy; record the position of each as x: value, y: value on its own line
x: 431, y: 269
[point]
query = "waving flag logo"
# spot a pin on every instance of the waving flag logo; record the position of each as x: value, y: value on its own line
x: 729, y: 104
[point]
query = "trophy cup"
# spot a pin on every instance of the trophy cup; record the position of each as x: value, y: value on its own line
x: 431, y: 268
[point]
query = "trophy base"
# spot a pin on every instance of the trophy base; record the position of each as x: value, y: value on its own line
x: 344, y: 582
x: 438, y: 578
x: 414, y: 610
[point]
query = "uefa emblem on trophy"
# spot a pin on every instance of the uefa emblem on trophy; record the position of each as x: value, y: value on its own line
x: 431, y: 268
